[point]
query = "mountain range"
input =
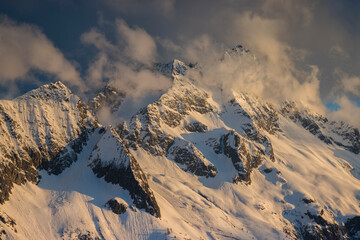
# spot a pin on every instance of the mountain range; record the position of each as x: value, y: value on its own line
x: 191, y: 163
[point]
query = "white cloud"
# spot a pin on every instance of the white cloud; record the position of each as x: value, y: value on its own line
x: 24, y: 48
x: 136, y: 83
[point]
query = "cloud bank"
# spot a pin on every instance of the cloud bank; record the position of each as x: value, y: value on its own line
x: 270, y: 70
x: 305, y: 50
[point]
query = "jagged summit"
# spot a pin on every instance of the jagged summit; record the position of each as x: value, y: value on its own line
x: 173, y: 68
x: 240, y: 50
x: 237, y: 51
x: 54, y: 91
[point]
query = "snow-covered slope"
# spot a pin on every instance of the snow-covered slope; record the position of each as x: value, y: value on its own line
x: 193, y: 164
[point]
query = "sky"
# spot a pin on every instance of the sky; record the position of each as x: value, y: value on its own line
x: 306, y: 51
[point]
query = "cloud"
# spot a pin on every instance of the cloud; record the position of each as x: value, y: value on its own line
x: 348, y: 112
x: 97, y: 39
x: 125, y: 63
x: 300, y: 12
x: 139, y: 45
x: 95, y: 74
x: 133, y: 44
x: 347, y: 84
x: 270, y: 70
x: 136, y: 83
x: 24, y: 49
x: 336, y: 51
x: 345, y: 94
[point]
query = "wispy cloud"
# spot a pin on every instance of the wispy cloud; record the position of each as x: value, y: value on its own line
x: 125, y: 63
x: 24, y: 49
x: 269, y: 71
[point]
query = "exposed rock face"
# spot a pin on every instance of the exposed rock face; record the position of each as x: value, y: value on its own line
x: 34, y: 128
x: 311, y: 221
x: 173, y: 68
x: 113, y: 161
x: 256, y: 116
x: 118, y: 206
x: 352, y: 226
x: 145, y: 132
x: 331, y: 132
x: 196, y: 127
x: 190, y: 158
x: 87, y: 236
x: 244, y: 154
x: 7, y: 221
x: 322, y: 229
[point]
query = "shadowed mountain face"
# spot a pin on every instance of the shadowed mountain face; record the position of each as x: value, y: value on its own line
x: 187, y: 165
x: 111, y: 160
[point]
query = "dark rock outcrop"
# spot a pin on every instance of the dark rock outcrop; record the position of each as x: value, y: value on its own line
x: 196, y: 127
x: 322, y: 229
x: 262, y: 116
x: 313, y: 222
x: 190, y: 158
x: 116, y: 206
x: 244, y: 154
x: 352, y: 226
x: 8, y: 221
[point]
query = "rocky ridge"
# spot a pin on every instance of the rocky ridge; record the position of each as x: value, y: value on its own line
x: 331, y: 132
